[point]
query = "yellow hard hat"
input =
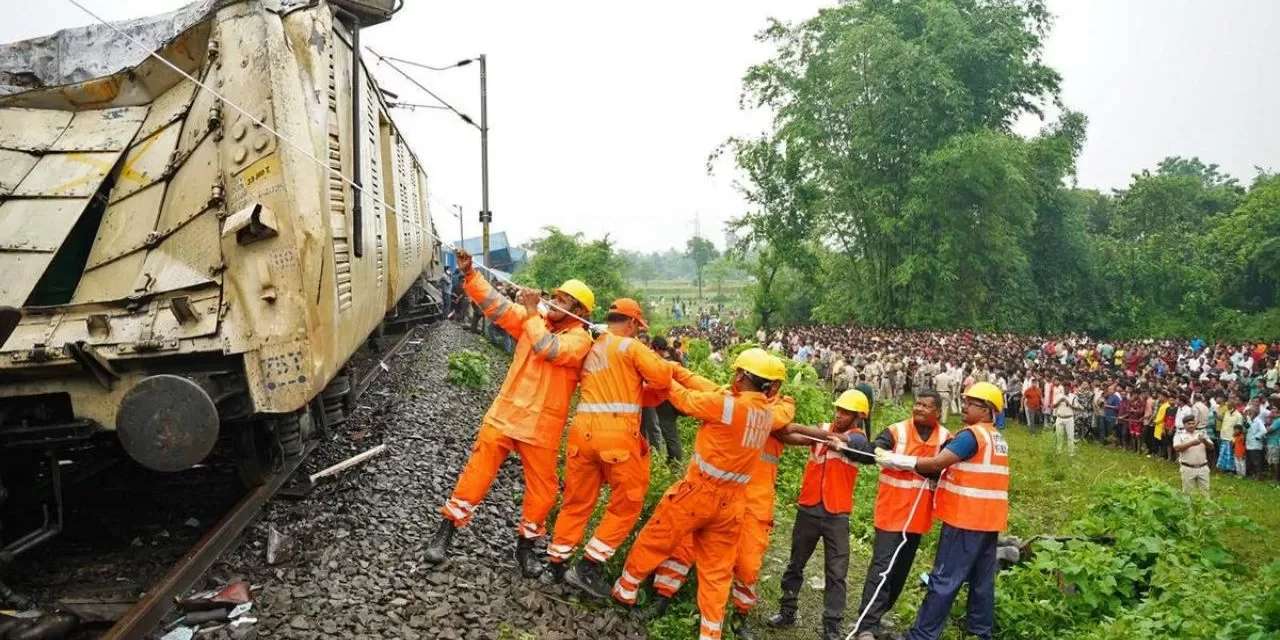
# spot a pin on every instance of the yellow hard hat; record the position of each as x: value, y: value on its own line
x: 987, y: 392
x: 854, y: 400
x: 579, y: 291
x: 758, y: 362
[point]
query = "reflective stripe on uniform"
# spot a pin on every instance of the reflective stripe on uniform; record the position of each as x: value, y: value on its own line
x: 899, y: 431
x: 599, y: 551
x: 548, y: 346
x: 622, y: 346
x: 985, y: 494
x: 608, y: 407
x: 529, y: 530
x: 720, y: 474
x: 675, y: 567
x: 627, y: 595
x: 710, y: 624
x: 726, y: 416
x: 979, y: 467
x: 900, y: 483
x: 561, y: 551
x: 664, y: 581
x: 769, y: 458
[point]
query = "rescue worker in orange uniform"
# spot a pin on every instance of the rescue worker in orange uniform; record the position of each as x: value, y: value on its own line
x: 529, y: 414
x: 606, y: 446
x: 826, y: 500
x: 709, y: 502
x: 898, y: 494
x: 972, y: 501
x: 757, y: 524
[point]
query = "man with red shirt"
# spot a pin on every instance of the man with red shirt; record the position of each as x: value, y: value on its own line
x: 826, y: 500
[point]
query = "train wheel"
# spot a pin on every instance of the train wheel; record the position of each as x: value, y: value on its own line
x: 291, y: 433
x: 258, y: 453
x: 334, y: 399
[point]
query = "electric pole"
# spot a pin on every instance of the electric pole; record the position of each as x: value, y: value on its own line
x: 486, y: 216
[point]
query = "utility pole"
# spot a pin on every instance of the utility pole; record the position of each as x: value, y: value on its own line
x: 461, y: 235
x: 486, y: 216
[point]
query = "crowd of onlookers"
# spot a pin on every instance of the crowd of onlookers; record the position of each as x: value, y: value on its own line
x: 1134, y: 394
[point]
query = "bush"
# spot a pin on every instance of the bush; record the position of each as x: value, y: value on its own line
x: 468, y: 369
x: 1167, y: 575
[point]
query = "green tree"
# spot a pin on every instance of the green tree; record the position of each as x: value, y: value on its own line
x: 701, y: 251
x: 870, y: 98
x: 558, y: 256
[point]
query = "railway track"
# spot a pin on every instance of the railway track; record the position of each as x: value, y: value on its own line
x: 151, y: 610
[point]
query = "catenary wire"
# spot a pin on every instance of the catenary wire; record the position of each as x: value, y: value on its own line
x: 493, y: 272
x: 300, y: 149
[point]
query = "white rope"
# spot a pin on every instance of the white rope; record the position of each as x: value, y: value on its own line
x: 300, y: 149
x: 884, y: 575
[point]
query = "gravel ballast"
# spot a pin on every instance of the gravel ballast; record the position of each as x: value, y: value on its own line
x: 356, y: 568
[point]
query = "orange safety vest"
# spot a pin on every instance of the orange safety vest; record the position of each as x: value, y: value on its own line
x: 734, y: 430
x: 533, y: 404
x: 764, y: 481
x: 612, y: 377
x: 829, y: 478
x: 974, y: 494
x: 898, y: 489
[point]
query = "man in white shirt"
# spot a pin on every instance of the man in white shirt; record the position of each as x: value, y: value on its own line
x: 1201, y: 411
x: 1064, y: 407
x: 1193, y: 449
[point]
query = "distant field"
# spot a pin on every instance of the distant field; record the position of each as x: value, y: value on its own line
x: 685, y: 289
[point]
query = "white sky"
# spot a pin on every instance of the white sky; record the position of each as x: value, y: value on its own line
x: 602, y: 115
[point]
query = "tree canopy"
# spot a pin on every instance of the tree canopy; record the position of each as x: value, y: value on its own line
x: 892, y: 185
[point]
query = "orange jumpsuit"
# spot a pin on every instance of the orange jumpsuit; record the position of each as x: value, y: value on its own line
x: 529, y: 414
x: 709, y: 503
x: 605, y: 446
x: 757, y: 524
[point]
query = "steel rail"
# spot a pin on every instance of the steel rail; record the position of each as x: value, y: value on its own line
x: 146, y: 616
x: 159, y: 600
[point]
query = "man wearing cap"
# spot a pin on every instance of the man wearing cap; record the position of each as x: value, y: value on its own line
x: 529, y: 414
x: 709, y: 503
x: 1193, y: 450
x: 606, y: 447
x: 972, y: 501
x: 904, y: 505
x: 822, y: 513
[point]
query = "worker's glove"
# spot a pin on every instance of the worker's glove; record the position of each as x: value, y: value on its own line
x: 889, y: 460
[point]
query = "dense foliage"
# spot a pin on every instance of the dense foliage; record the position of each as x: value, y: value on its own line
x: 1168, y: 574
x: 558, y: 256
x: 468, y: 369
x: 892, y: 190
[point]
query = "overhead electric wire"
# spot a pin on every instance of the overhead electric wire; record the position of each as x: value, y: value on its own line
x: 358, y: 188
x: 387, y: 61
x: 302, y: 150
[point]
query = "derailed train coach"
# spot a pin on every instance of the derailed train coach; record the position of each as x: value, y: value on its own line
x: 186, y: 275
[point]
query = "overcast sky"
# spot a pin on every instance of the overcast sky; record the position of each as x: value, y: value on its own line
x: 602, y: 115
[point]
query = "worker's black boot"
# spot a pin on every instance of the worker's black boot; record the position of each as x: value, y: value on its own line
x: 553, y: 573
x: 741, y: 629
x: 438, y: 550
x: 786, y: 615
x: 526, y: 558
x: 831, y: 630
x: 586, y: 576
x: 658, y: 608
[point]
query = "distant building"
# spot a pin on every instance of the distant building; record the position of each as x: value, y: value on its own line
x: 504, y: 257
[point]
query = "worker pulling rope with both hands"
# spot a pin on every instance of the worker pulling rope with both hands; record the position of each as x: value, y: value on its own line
x: 529, y: 412
x: 972, y: 502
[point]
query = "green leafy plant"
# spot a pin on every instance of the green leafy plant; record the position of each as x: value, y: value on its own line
x: 468, y: 369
